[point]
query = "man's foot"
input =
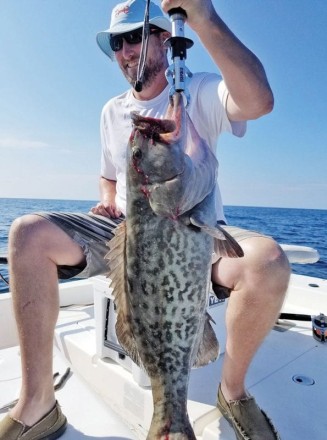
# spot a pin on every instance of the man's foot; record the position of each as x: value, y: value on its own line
x: 50, y: 427
x: 247, y: 419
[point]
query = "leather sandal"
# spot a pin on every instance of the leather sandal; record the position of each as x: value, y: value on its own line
x: 50, y: 427
x: 246, y: 418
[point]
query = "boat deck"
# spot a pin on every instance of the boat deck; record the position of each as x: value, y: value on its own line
x: 102, y: 400
x: 88, y: 416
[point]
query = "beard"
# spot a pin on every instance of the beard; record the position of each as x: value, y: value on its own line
x: 152, y: 69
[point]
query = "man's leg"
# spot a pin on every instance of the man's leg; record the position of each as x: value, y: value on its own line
x: 258, y: 284
x: 36, y: 247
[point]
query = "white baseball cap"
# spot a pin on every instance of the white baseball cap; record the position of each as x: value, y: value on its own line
x: 129, y: 16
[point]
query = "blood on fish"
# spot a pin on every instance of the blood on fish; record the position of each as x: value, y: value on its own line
x: 162, y: 262
x: 145, y: 191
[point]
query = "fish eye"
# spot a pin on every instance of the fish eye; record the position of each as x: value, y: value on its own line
x: 137, y: 153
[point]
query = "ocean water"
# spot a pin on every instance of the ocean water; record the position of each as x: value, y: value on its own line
x: 305, y: 227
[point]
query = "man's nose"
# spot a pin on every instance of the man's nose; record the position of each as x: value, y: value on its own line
x: 128, y: 50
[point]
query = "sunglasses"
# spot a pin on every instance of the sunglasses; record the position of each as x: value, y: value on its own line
x: 132, y: 37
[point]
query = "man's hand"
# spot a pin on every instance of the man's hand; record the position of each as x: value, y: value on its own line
x: 198, y: 11
x: 106, y: 209
x: 249, y: 93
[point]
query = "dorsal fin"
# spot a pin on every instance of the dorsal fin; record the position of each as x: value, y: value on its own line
x: 117, y: 274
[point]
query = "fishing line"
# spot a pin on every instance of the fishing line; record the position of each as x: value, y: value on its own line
x: 2, y: 278
x: 144, y: 49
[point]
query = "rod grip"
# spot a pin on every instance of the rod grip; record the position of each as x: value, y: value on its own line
x: 177, y: 11
x: 295, y: 316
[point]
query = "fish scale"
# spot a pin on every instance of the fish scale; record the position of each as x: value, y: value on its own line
x: 161, y: 260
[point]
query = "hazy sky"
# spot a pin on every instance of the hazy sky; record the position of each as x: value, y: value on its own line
x: 54, y: 81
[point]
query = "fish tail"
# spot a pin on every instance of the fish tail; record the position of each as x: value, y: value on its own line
x: 164, y: 427
x: 170, y: 420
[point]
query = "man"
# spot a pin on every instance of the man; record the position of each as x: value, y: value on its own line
x: 43, y: 245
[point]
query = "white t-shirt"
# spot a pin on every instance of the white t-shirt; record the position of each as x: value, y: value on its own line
x: 206, y: 109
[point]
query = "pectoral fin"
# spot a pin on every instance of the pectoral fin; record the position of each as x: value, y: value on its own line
x: 224, y: 245
x: 116, y: 257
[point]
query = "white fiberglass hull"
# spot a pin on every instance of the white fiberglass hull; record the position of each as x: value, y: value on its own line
x: 101, y: 399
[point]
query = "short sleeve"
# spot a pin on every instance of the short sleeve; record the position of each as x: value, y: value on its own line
x: 108, y: 170
x: 238, y: 128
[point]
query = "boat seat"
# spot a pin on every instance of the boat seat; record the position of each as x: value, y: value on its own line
x: 294, y: 253
x: 300, y: 254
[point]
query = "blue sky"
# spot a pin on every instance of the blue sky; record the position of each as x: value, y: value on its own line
x: 54, y: 81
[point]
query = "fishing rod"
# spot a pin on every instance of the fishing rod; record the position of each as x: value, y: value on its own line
x: 319, y: 323
x: 144, y: 49
x: 177, y: 73
x: 3, y: 260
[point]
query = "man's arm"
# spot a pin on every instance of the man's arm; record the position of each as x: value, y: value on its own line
x: 250, y: 95
x: 107, y: 206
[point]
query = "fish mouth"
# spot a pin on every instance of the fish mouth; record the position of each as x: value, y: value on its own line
x: 152, y: 127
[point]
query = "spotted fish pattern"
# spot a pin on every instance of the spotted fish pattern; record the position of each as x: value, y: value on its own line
x: 160, y: 262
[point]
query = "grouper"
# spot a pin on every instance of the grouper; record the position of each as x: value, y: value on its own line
x: 160, y: 261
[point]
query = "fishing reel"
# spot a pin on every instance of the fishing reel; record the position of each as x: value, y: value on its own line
x: 319, y: 323
x: 177, y: 73
x: 319, y: 327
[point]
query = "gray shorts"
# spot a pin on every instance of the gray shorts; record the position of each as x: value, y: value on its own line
x: 92, y: 233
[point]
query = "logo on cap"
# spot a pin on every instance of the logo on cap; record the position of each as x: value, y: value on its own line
x: 122, y: 10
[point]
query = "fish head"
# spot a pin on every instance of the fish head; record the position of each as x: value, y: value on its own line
x: 156, y: 150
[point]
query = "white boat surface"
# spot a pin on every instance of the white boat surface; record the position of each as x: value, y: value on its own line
x: 108, y: 398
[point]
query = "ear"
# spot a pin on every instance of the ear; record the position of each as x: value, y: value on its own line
x: 163, y: 37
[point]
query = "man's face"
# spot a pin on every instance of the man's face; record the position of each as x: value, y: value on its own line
x: 156, y: 61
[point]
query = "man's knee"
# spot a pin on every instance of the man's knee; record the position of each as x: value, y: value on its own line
x: 31, y: 235
x: 266, y: 252
x: 267, y: 260
x: 24, y: 230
